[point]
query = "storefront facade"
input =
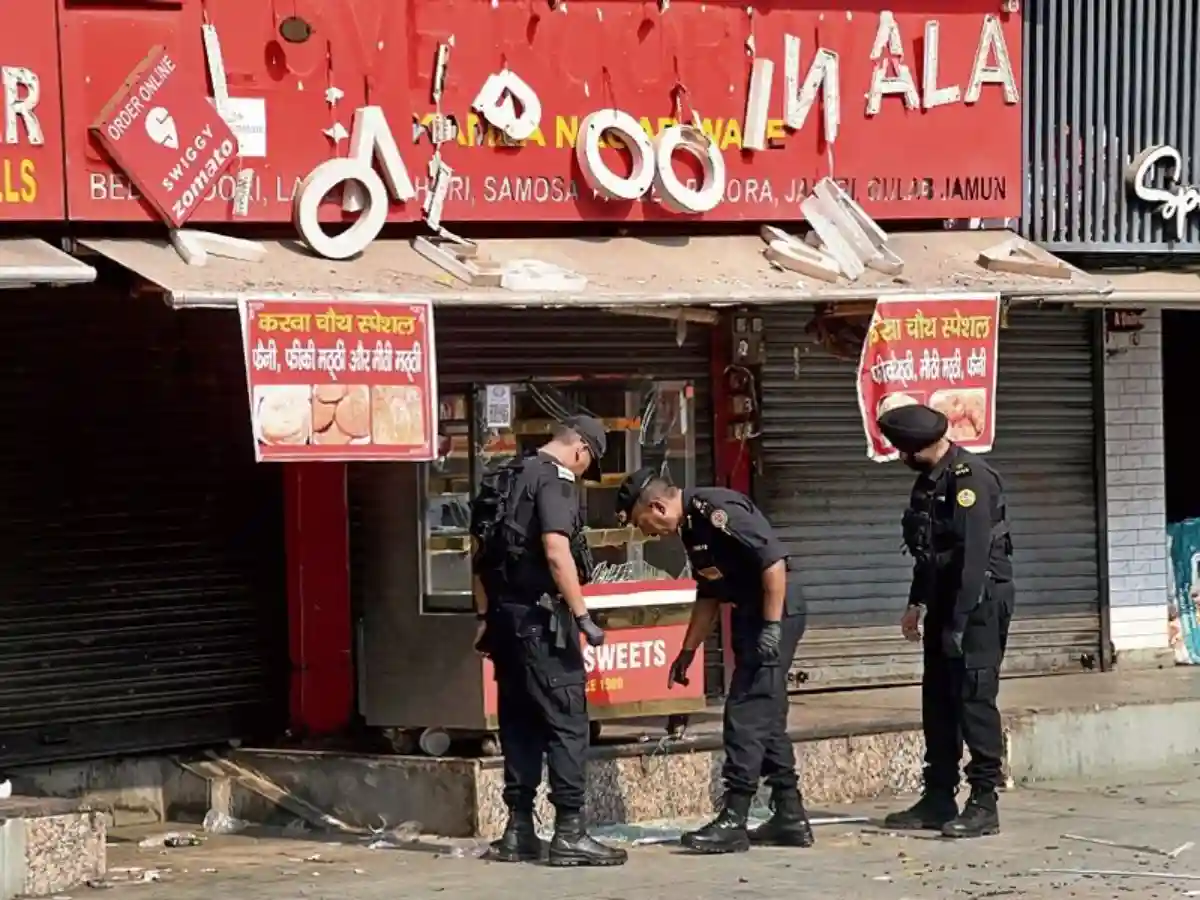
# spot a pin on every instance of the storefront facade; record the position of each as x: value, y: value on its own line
x: 1111, y: 149
x: 581, y: 288
x: 840, y: 511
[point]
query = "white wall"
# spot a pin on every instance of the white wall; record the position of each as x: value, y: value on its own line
x: 1137, y: 540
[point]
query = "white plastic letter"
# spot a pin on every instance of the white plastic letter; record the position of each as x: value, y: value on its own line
x: 371, y: 141
x: 312, y: 190
x: 991, y: 40
x: 497, y: 104
x: 934, y: 95
x: 823, y: 75
x: 677, y: 196
x: 21, y: 107
x: 887, y: 37
x: 758, y: 101
x: 599, y: 177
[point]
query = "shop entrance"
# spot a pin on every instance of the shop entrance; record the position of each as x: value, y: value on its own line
x: 1180, y: 338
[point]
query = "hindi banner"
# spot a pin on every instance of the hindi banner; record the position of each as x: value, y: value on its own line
x: 937, y: 350
x: 341, y: 380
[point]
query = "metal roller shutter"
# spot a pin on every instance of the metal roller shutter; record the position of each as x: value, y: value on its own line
x: 839, y: 513
x: 481, y: 346
x: 142, y: 604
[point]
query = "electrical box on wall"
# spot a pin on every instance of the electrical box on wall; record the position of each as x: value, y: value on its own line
x: 748, y: 341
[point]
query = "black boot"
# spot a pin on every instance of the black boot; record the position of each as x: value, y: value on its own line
x: 573, y: 846
x: 931, y: 812
x: 727, y: 832
x: 520, y: 842
x: 788, y: 825
x: 980, y: 817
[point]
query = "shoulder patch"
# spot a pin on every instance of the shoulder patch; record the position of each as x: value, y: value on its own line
x: 719, y: 518
x: 564, y: 473
x: 966, y: 498
x: 962, y: 469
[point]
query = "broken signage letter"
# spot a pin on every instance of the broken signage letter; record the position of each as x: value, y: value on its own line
x: 363, y: 190
x: 22, y: 91
x: 161, y: 129
x: 652, y: 162
x: 498, y: 103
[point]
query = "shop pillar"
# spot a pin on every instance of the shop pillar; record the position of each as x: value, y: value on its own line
x: 320, y: 633
x: 732, y: 458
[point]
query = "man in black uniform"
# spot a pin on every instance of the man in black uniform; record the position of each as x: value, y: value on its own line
x: 736, y: 558
x: 956, y: 529
x: 529, y: 565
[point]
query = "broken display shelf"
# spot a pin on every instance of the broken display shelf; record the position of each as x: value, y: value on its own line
x: 459, y: 258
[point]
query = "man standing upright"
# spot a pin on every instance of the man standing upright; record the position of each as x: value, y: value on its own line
x: 528, y: 567
x: 956, y: 528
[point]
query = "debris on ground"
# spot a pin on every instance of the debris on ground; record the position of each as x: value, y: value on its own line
x: 223, y: 823
x: 1117, y: 873
x: 170, y: 839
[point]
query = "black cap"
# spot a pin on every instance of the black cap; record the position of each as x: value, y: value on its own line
x: 591, y: 432
x: 913, y: 428
x: 631, y: 488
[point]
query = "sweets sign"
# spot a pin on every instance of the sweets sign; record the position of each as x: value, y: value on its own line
x: 936, y: 350
x: 341, y: 381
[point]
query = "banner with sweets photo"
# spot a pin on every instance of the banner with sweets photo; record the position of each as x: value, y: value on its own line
x: 341, y: 380
x: 939, y: 350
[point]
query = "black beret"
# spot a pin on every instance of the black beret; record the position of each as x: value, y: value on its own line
x: 913, y: 428
x: 631, y: 488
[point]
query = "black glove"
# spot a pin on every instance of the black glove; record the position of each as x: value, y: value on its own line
x: 592, y: 632
x: 952, y: 643
x: 768, y: 642
x: 679, y: 669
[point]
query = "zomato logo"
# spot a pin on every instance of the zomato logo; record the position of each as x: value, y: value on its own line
x: 623, y: 655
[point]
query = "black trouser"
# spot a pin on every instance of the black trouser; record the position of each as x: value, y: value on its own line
x: 542, y: 708
x: 756, y: 710
x: 958, y: 696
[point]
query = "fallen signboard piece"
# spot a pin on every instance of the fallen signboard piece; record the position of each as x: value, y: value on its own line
x: 461, y: 259
x: 194, y: 247
x: 844, y: 231
x: 1021, y: 258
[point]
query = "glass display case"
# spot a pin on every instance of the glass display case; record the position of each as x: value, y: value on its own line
x: 648, y: 423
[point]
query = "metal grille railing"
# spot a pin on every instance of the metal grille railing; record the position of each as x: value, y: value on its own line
x: 1103, y: 81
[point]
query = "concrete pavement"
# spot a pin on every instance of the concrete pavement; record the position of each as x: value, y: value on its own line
x: 1155, y: 810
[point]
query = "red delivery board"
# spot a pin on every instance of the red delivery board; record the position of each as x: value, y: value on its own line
x: 926, y: 119
x: 166, y: 137
x: 31, y: 133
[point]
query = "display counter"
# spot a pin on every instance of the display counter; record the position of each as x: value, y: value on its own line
x: 641, y: 591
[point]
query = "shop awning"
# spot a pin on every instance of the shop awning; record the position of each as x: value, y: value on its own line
x: 25, y: 262
x: 623, y: 272
x: 1157, y: 289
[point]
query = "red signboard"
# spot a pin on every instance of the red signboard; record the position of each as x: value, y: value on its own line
x: 166, y: 136
x: 925, y: 120
x: 631, y: 667
x: 939, y: 351
x: 341, y: 381
x: 31, y: 135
